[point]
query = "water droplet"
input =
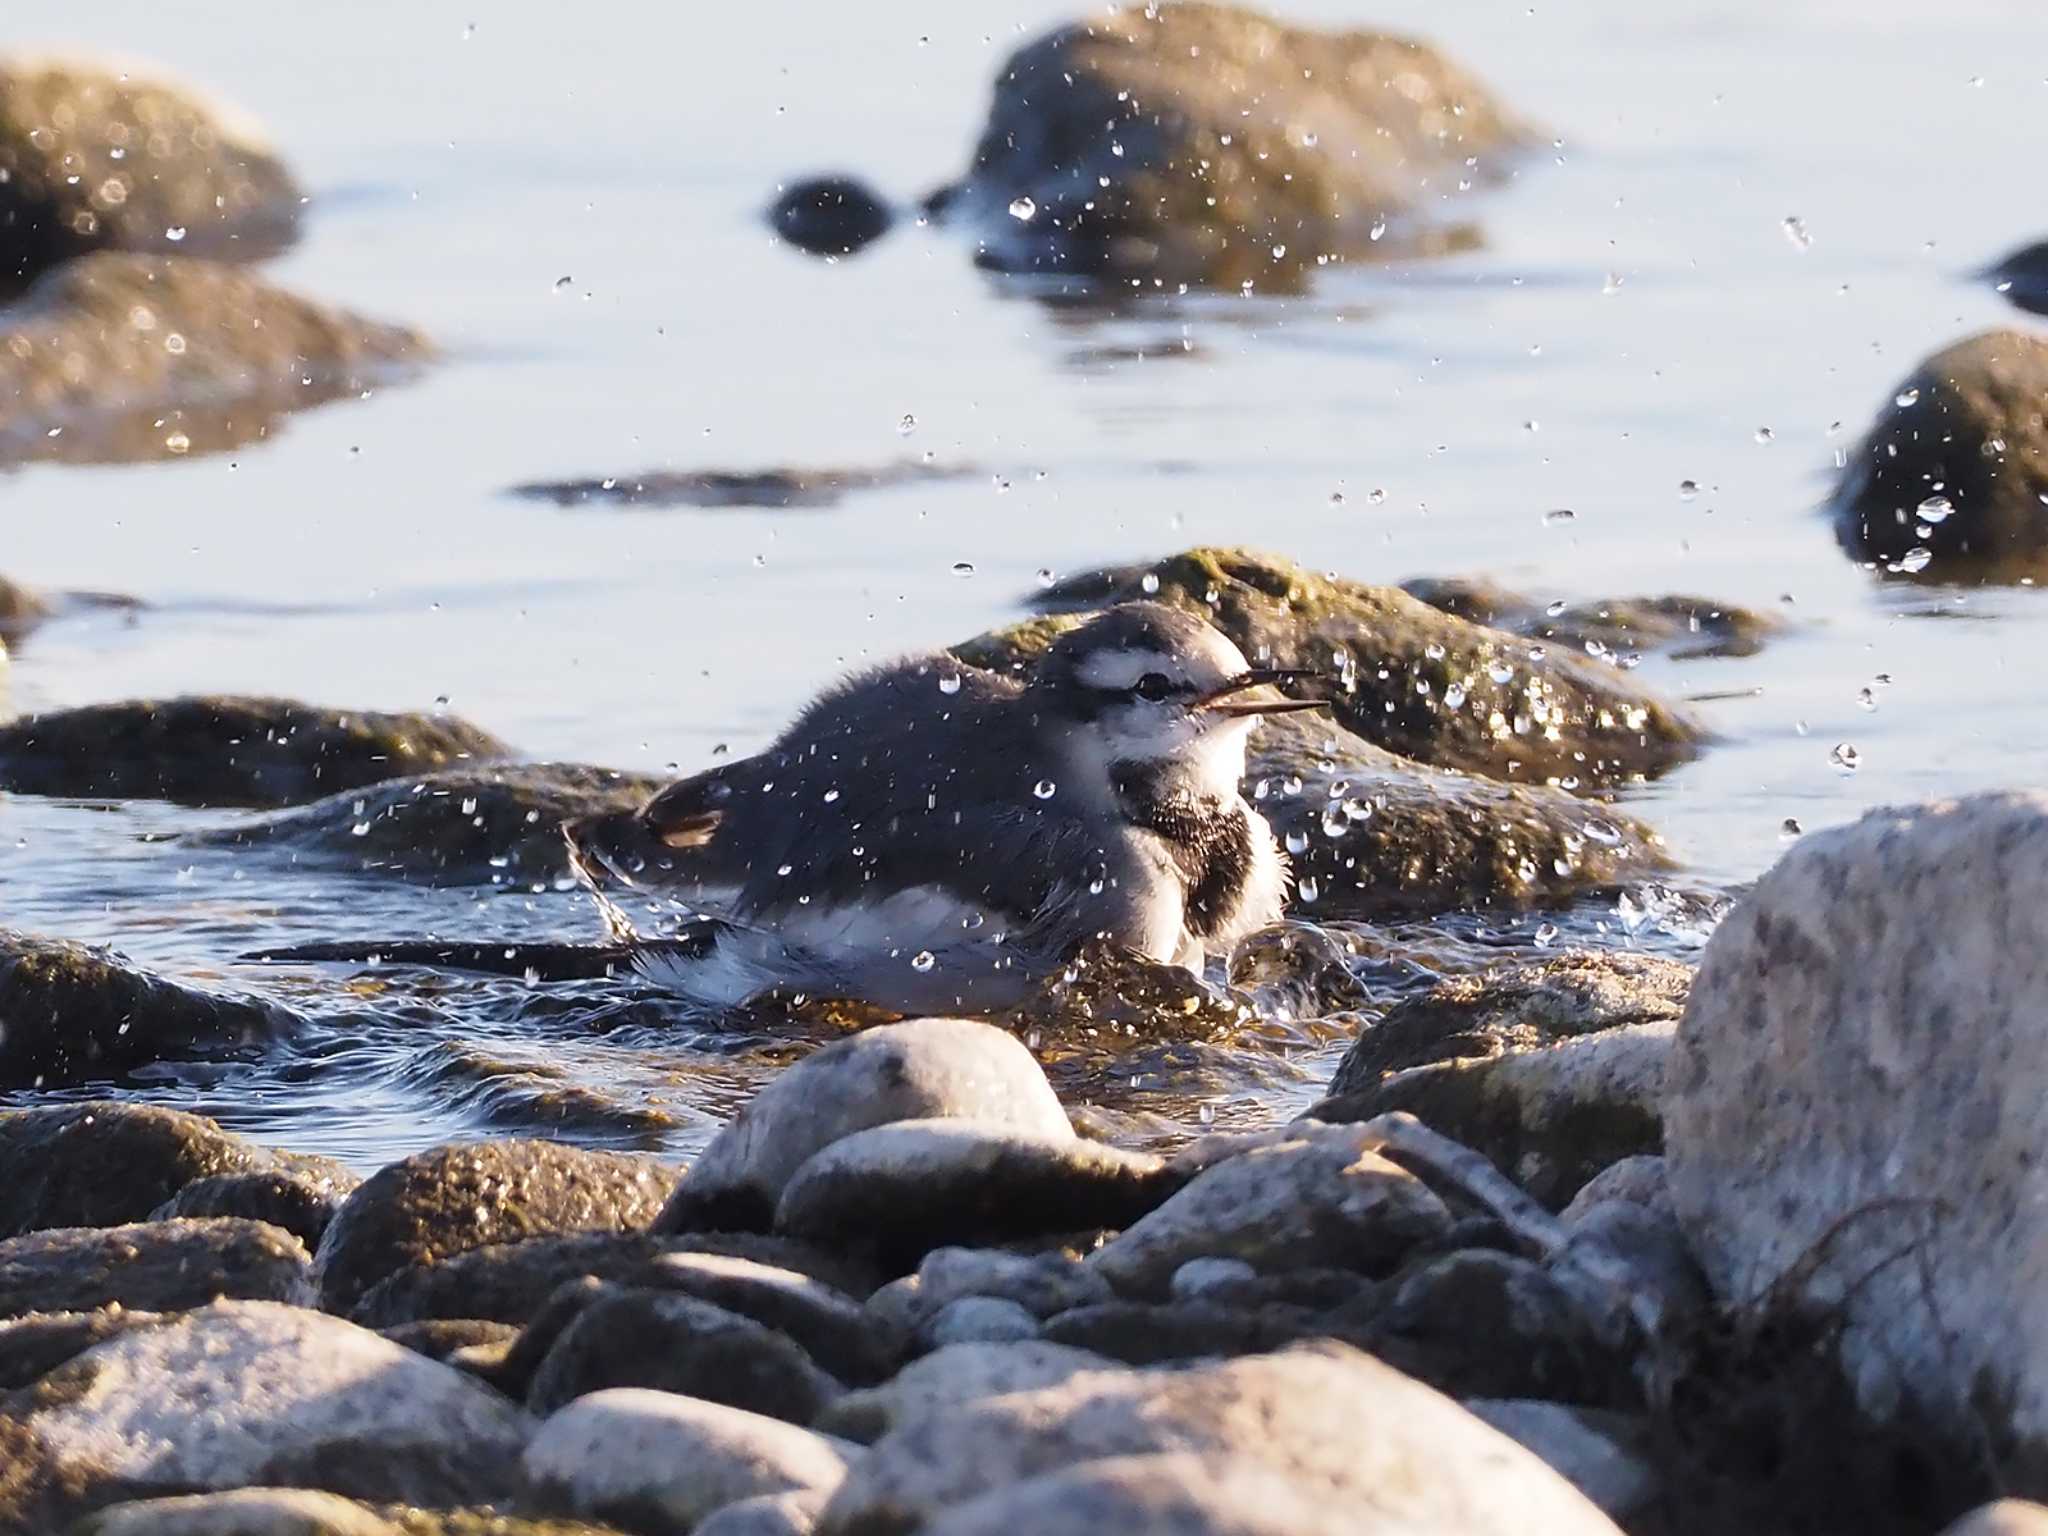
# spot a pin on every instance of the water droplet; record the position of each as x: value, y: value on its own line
x: 361, y: 829
x: 1279, y: 252
x: 563, y: 282
x: 1555, y: 609
x: 1846, y: 757
x: 178, y: 442
x: 1790, y: 827
x: 1045, y: 789
x: 1206, y: 1113
x: 1454, y: 696
x: 1935, y: 509
x: 1916, y: 559
x: 1545, y: 935
x: 1379, y: 228
x: 1045, y: 576
x: 907, y: 425
x: 1150, y: 583
x: 1291, y: 785
x: 923, y: 960
x: 175, y: 233
x: 1866, y: 698
x: 1605, y: 833
x: 1560, y: 515
x: 1765, y: 434
x: 1906, y: 397
x: 1336, y: 498
x: 1308, y: 889
x: 784, y: 869
x: 1613, y: 283
x: 1795, y: 231
x: 949, y: 682
x: 1296, y: 840
x: 963, y: 567
x: 831, y: 795
x: 1023, y: 209
x: 1687, y: 489
x: 1335, y: 822
x: 1500, y: 671
x: 1376, y: 496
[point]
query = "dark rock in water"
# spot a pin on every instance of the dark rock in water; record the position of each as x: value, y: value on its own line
x: 450, y: 1199
x: 491, y: 824
x: 73, y: 1014
x: 957, y: 1069
x: 676, y: 1343
x: 1549, y: 1118
x: 1482, y: 1324
x: 92, y: 159
x: 155, y: 1266
x: 2023, y: 278
x: 1210, y: 144
x: 1517, y: 1008
x: 116, y: 358
x: 901, y: 1190
x: 788, y: 489
x: 1375, y: 835
x: 33, y: 1345
x: 1408, y: 677
x: 301, y: 1197
x: 222, y: 751
x: 1156, y: 1333
x: 106, y: 1164
x: 830, y: 215
x: 511, y: 1282
x: 1683, y: 627
x: 1951, y: 483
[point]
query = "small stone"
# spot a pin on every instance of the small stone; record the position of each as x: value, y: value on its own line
x: 953, y: 1375
x: 980, y: 1320
x: 1197, y: 1278
x: 301, y: 1198
x: 1161, y: 1333
x: 1041, y: 1283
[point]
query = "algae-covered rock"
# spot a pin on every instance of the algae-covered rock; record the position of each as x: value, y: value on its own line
x: 1212, y: 144
x: 116, y: 358
x: 1949, y: 483
x: 74, y: 1014
x: 1405, y: 676
x: 225, y: 750
x: 103, y: 1164
x: 1681, y: 626
x: 1516, y: 1008
x: 154, y: 1266
x: 300, y: 1196
x: 493, y: 823
x: 94, y: 158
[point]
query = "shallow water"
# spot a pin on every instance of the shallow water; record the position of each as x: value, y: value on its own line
x: 1636, y: 316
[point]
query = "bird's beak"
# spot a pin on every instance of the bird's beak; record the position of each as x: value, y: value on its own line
x: 1226, y: 701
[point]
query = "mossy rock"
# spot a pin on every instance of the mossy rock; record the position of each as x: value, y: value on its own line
x: 70, y: 1013
x: 1409, y: 678
x: 95, y: 158
x: 1679, y: 625
x: 226, y: 751
x: 490, y: 824
x: 1951, y: 482
x: 1212, y: 144
x: 117, y: 358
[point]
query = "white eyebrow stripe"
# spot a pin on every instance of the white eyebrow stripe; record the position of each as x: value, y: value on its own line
x: 1119, y: 670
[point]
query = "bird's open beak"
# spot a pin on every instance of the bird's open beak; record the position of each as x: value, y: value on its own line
x: 1226, y: 701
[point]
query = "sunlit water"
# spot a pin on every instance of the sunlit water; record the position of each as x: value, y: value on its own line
x: 1639, y: 316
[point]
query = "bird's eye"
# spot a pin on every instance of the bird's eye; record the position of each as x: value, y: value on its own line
x: 1154, y: 685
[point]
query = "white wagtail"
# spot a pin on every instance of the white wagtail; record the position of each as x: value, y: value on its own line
x: 929, y: 835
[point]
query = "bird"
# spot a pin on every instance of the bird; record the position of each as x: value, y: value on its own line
x: 928, y: 835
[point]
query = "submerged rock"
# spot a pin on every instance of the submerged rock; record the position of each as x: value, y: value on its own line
x: 1516, y: 1008
x: 922, y: 1069
x: 243, y: 1392
x: 490, y: 824
x: 225, y: 751
x: 1549, y: 1118
x: 1950, y: 482
x: 117, y: 358
x: 2023, y: 277
x: 1211, y: 144
x: 830, y: 215
x: 93, y: 158
x: 1408, y: 677
x: 1683, y: 627
x: 1395, y: 1451
x: 104, y: 1164
x: 155, y: 1266
x: 74, y: 1014
x: 450, y: 1199
x: 1855, y: 1109
x: 789, y: 489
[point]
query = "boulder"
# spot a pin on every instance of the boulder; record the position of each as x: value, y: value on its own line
x: 453, y: 1198
x: 1516, y: 1008
x: 1200, y: 143
x: 659, y: 1460
x: 95, y: 158
x: 1639, y: 1180
x: 1951, y: 477
x: 768, y: 1514
x: 487, y: 824
x: 1397, y: 1451
x: 301, y: 1197
x: 1620, y: 630
x: 224, y: 750
x: 157, y: 1266
x: 1855, y: 1109
x: 1164, y: 1333
x: 102, y: 1164
x: 919, y: 1070
x: 901, y: 1190
x: 243, y: 1392
x: 120, y: 358
x: 830, y: 215
x: 1410, y: 678
x: 34, y: 1345
x: 2023, y: 277
x: 951, y: 1376
x: 1164, y: 1495
x: 1328, y: 1199
x: 1550, y: 1118
x: 980, y: 1320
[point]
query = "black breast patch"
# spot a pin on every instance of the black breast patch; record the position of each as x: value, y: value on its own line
x: 1210, y: 839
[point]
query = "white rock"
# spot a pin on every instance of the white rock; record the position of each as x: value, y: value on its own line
x: 629, y: 1448
x: 1324, y: 1199
x: 206, y: 1400
x: 956, y: 1374
x: 1198, y: 1278
x: 767, y: 1514
x: 1860, y: 1094
x: 918, y: 1070
x: 1324, y: 1416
